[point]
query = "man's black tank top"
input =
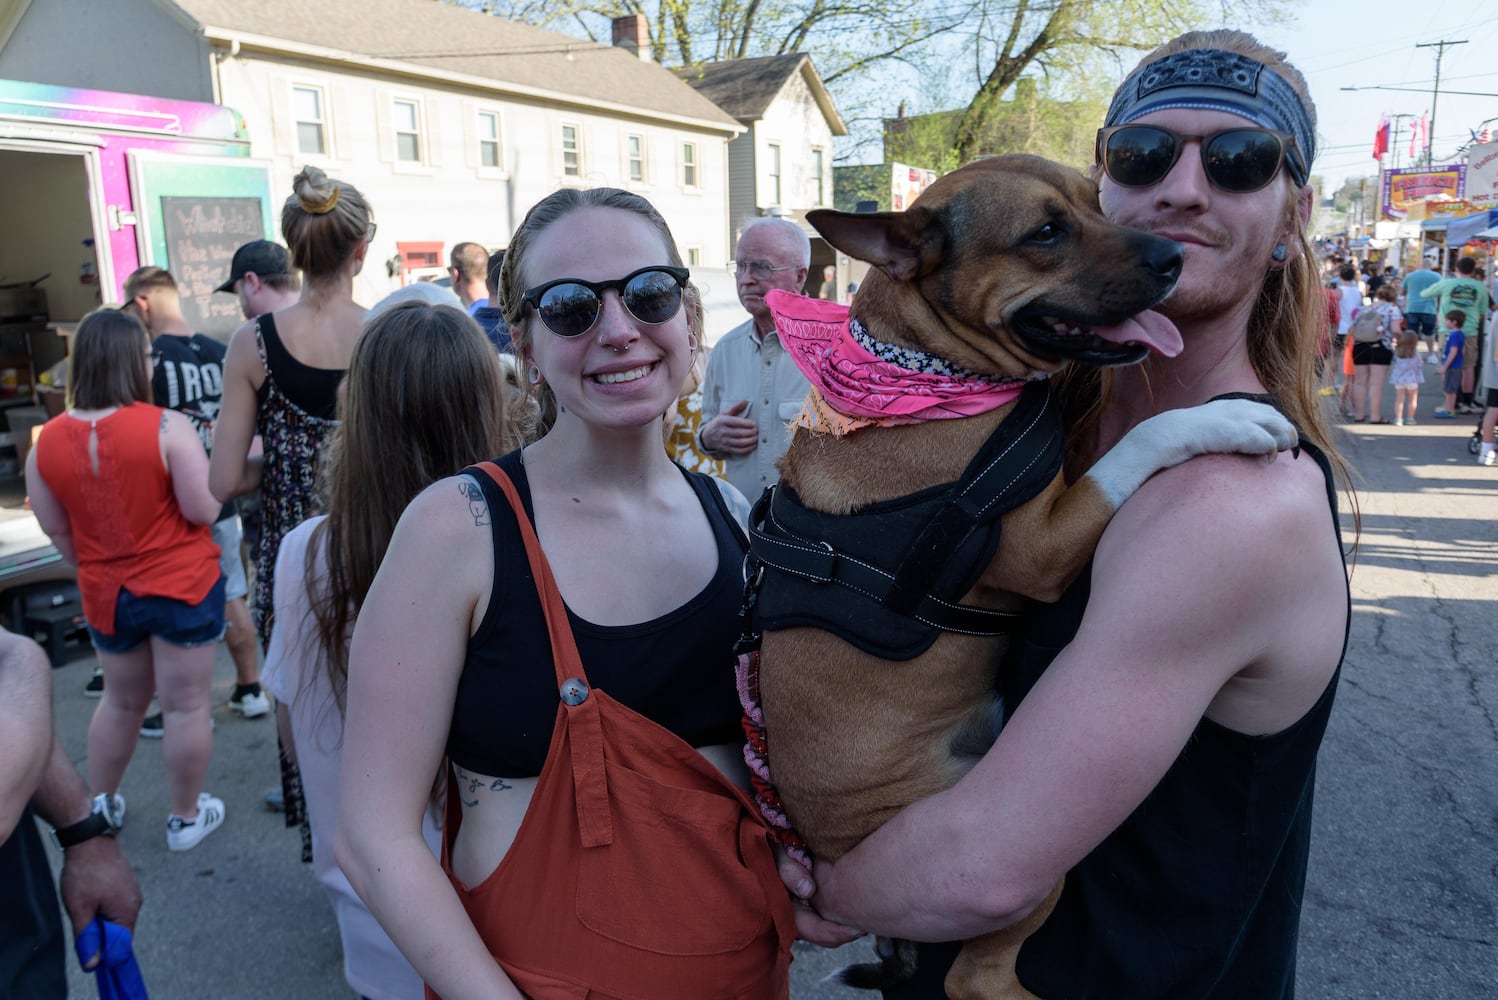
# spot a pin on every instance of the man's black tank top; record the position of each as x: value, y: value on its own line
x: 676, y: 670
x: 1198, y: 893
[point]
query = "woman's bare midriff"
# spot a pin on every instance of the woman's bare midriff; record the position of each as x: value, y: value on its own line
x: 494, y: 807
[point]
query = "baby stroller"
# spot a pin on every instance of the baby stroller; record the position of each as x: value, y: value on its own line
x: 1474, y: 443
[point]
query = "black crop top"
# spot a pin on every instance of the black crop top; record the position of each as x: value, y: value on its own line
x: 314, y: 391
x: 676, y: 670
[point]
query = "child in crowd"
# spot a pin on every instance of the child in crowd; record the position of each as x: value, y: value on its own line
x: 1406, y: 374
x: 1451, y: 364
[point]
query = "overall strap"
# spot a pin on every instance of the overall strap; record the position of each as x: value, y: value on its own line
x: 584, y: 725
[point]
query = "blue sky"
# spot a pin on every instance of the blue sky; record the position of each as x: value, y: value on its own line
x: 1372, y: 42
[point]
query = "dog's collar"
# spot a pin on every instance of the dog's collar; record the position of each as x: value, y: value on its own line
x: 913, y: 360
x: 858, y: 381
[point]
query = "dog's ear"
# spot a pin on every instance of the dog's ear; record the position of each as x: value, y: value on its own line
x: 897, y: 243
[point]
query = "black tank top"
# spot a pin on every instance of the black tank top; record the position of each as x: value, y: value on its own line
x: 1198, y: 893
x: 676, y: 670
x: 313, y: 390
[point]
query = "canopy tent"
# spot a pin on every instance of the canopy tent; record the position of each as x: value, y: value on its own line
x: 1490, y: 233
x: 1459, y: 231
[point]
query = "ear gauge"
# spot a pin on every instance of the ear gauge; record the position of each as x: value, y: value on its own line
x: 1279, y: 253
x: 533, y: 374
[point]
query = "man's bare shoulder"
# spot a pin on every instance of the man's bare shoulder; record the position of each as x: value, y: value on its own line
x: 1233, y: 515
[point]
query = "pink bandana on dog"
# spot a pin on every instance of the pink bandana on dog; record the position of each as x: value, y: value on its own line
x: 858, y: 381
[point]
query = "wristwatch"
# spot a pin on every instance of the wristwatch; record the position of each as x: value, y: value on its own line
x: 95, y: 825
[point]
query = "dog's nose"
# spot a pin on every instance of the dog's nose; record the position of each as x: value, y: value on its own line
x: 1164, y: 257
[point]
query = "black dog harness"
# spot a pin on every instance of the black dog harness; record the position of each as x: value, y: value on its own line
x: 888, y: 577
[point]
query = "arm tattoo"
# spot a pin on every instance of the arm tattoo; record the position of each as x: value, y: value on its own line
x: 477, y: 505
x: 162, y: 428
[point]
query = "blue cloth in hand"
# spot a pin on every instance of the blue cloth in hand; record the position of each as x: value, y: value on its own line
x: 118, y: 974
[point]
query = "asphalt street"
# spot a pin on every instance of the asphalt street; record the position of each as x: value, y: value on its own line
x: 1402, y: 900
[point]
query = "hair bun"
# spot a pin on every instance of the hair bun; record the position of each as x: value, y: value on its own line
x: 316, y: 192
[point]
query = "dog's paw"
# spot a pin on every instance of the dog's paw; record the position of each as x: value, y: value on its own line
x: 1239, y: 426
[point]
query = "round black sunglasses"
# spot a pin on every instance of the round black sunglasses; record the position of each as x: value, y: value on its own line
x: 570, y: 306
x: 1240, y: 160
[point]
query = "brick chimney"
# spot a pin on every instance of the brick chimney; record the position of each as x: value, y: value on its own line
x: 632, y: 33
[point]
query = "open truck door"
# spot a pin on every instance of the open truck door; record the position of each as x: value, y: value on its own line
x: 97, y: 184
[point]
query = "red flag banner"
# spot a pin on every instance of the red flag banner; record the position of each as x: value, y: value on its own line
x: 1381, y: 138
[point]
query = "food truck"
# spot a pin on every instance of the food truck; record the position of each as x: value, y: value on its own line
x: 96, y: 184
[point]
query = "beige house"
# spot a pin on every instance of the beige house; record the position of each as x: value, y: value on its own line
x: 782, y: 163
x: 453, y: 123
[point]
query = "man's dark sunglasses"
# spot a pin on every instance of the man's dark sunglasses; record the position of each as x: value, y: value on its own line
x: 570, y: 306
x: 1240, y: 160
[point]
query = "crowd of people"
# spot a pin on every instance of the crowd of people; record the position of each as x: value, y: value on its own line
x: 1382, y: 318
x: 452, y: 496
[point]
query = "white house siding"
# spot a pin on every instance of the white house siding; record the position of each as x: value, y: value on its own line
x: 135, y: 46
x: 451, y: 197
x: 795, y: 123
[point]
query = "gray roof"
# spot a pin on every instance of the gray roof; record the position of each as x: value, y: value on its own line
x: 745, y: 87
x: 433, y: 36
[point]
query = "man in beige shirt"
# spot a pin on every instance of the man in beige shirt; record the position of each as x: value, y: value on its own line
x: 753, y: 388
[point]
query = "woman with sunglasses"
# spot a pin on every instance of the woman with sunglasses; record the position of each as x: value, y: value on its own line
x: 1163, y: 718
x: 281, y: 379
x: 638, y: 869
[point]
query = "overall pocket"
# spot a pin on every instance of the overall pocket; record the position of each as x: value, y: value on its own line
x: 674, y: 881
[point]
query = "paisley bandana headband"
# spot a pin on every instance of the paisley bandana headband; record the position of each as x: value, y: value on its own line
x: 858, y: 381
x: 1215, y: 80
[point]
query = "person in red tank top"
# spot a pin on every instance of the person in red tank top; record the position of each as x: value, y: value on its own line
x: 121, y: 487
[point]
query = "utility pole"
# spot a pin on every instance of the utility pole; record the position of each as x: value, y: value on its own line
x: 1394, y: 147
x: 1440, y: 48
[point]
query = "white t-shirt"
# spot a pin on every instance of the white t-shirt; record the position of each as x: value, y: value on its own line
x: 1352, y: 301
x: 294, y: 673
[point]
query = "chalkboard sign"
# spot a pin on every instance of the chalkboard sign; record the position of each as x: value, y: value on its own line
x: 191, y: 213
x: 201, y: 237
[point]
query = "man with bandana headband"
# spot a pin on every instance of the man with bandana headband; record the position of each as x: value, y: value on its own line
x: 1163, y: 718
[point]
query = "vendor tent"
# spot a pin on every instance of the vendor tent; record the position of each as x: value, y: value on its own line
x: 1459, y: 231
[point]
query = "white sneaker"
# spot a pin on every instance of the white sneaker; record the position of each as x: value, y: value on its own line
x: 184, y: 834
x: 113, y: 808
x: 1491, y: 458
x: 251, y: 706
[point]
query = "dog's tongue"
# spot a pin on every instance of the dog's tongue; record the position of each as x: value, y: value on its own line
x: 1148, y: 328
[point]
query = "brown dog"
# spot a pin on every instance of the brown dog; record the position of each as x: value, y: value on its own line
x: 1006, y: 267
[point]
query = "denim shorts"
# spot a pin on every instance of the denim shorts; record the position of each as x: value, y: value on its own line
x: 1424, y: 324
x: 136, y: 619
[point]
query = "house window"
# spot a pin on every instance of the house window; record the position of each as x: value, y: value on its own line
x: 406, y: 117
x: 636, y: 158
x: 774, y: 174
x: 572, y: 151
x: 689, y: 164
x: 694, y: 256
x: 308, y: 104
x: 818, y: 177
x: 488, y: 132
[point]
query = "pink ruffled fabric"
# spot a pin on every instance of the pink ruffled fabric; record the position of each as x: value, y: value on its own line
x: 855, y: 383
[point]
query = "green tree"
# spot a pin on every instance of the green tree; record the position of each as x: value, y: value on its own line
x: 976, y: 50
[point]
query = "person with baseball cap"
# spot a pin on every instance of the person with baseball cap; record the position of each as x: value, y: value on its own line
x: 262, y: 277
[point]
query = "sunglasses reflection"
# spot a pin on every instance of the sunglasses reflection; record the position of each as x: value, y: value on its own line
x: 569, y: 307
x: 1240, y: 160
